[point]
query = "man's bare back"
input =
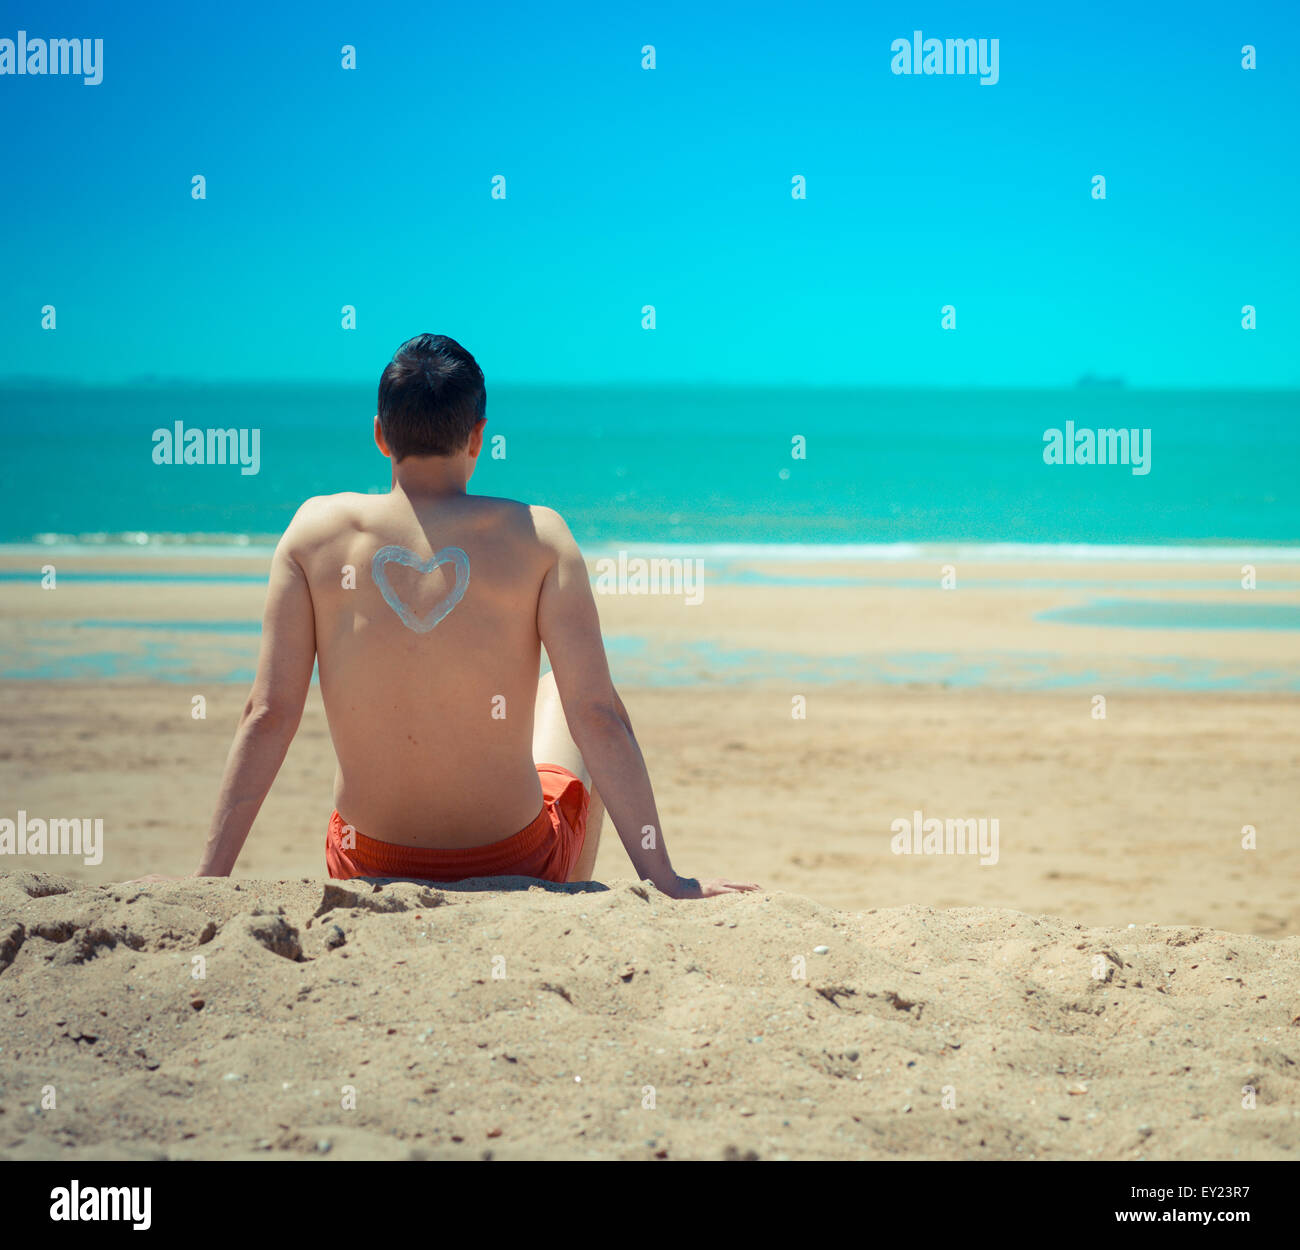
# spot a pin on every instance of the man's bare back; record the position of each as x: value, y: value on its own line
x: 427, y: 610
x: 432, y: 729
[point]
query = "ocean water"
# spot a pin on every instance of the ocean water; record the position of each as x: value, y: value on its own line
x: 694, y: 466
x: 706, y: 472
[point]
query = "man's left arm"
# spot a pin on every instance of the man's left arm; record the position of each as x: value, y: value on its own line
x: 271, y: 714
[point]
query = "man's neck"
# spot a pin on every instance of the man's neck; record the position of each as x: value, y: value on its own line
x: 430, y: 477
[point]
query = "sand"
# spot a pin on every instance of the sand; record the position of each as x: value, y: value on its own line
x: 406, y: 1021
x: 1120, y: 853
x: 1137, y: 818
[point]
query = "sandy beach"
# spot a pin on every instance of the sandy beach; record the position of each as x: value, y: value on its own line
x: 1120, y: 839
x: 410, y: 1022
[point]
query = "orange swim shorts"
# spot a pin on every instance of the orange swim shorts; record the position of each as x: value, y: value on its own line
x: 548, y: 848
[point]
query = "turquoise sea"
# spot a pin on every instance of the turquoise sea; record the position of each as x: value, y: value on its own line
x: 693, y: 471
x: 693, y: 465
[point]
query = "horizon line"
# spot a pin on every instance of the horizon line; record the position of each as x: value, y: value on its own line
x: 1083, y: 384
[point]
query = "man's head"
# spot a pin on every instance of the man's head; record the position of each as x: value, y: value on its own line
x: 431, y: 398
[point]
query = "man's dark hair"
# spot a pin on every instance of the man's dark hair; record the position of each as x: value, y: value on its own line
x: 431, y: 396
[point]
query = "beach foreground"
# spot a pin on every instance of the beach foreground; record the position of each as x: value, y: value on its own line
x: 403, y: 1021
x: 790, y: 721
x: 1135, y: 819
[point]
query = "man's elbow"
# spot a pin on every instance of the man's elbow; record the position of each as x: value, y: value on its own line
x: 269, y: 717
x: 598, y: 721
x: 621, y: 710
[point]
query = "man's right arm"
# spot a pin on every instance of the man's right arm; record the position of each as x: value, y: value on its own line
x: 570, y: 631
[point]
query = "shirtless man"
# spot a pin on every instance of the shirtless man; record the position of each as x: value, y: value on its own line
x: 427, y: 609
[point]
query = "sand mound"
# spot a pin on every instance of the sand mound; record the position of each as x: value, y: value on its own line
x: 219, y: 1018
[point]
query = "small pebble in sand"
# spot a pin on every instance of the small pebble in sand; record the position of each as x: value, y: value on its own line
x: 821, y: 950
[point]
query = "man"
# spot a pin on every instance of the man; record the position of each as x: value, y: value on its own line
x: 427, y: 609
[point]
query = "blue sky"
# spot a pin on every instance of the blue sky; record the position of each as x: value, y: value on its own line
x: 669, y: 187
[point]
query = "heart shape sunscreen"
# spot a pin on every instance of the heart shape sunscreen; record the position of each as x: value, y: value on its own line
x: 400, y: 555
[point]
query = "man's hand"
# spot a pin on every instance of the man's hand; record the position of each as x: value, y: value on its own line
x: 692, y: 887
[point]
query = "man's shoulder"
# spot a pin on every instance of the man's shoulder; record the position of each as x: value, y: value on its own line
x: 532, y: 520
x: 550, y: 525
x: 323, y: 516
x: 331, y: 508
